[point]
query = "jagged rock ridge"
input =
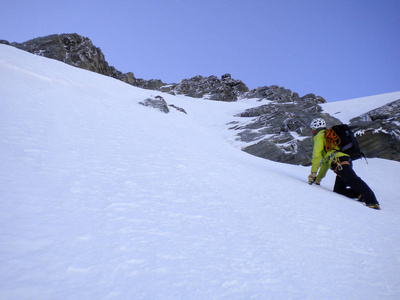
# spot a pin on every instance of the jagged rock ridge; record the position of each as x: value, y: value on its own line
x: 212, y: 88
x: 72, y: 49
x: 80, y: 52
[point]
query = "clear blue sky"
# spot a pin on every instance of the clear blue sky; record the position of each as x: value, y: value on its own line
x: 336, y: 49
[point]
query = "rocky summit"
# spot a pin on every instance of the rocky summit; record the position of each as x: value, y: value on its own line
x: 277, y: 129
x: 79, y: 51
x: 72, y: 49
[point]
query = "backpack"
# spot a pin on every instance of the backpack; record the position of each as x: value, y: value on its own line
x: 342, y: 136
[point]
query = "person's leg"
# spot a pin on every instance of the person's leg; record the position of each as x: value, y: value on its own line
x: 341, y: 188
x: 351, y: 179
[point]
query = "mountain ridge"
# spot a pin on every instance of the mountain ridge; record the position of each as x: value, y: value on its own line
x: 80, y: 52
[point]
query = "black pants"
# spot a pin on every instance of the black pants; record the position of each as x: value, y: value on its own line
x: 349, y: 184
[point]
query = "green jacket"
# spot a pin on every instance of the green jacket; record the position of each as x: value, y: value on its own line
x: 320, y: 158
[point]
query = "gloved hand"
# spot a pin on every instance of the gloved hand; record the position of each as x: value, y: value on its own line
x: 311, y: 177
x: 317, y: 181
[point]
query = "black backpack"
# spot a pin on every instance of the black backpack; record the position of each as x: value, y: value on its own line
x: 342, y: 136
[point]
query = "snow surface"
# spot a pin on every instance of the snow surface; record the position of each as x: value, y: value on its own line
x: 102, y: 198
x: 348, y: 109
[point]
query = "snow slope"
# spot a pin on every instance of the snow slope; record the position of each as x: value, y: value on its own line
x: 348, y: 109
x: 102, y: 198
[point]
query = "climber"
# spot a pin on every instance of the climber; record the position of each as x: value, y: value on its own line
x: 347, y: 182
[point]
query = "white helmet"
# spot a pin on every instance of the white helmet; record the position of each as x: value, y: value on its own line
x: 317, y: 123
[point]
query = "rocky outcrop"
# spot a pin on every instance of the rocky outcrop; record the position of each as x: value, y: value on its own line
x: 378, y: 131
x: 281, y: 95
x: 212, y: 88
x: 152, y: 84
x: 80, y: 52
x: 280, y: 130
x: 157, y: 102
x: 72, y: 49
x: 160, y: 104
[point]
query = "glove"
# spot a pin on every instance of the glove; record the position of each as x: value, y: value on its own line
x: 311, y: 177
x: 317, y: 181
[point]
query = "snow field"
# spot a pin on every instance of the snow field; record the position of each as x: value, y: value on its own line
x: 102, y: 198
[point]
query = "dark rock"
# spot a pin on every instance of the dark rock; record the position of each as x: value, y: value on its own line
x: 178, y: 108
x: 80, y: 52
x: 152, y: 84
x: 157, y: 102
x: 312, y: 97
x: 273, y: 93
x: 281, y: 95
x: 212, y: 88
x: 72, y: 49
x: 128, y: 78
x: 292, y: 152
x: 168, y: 88
x: 378, y: 131
x: 281, y: 131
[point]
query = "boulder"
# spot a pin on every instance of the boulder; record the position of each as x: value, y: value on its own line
x: 160, y: 104
x: 157, y: 102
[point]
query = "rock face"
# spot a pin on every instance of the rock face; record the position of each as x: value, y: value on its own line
x: 72, y: 49
x: 280, y: 130
x: 378, y: 131
x: 80, y: 52
x: 212, y: 88
x: 152, y: 84
x: 157, y: 102
x: 160, y: 104
x: 281, y: 95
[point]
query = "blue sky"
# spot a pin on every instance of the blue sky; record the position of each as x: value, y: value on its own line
x: 336, y: 49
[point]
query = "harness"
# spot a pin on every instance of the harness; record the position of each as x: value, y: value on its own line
x: 337, y: 162
x: 332, y: 141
